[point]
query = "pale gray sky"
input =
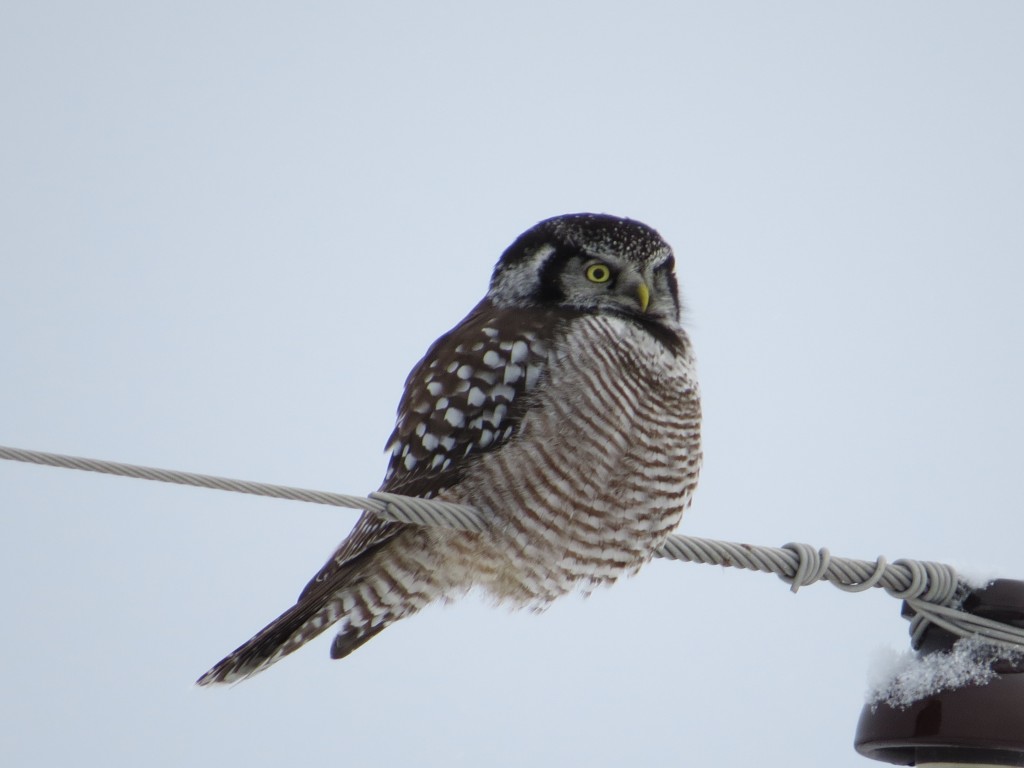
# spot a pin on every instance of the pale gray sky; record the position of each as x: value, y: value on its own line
x: 228, y: 230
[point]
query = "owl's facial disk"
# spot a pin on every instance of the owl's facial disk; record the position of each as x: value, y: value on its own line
x: 606, y: 283
x: 590, y: 263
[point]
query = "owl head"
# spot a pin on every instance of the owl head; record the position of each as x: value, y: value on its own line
x: 591, y: 263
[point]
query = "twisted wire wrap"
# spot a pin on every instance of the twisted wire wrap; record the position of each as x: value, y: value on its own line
x: 932, y: 590
x: 388, y: 505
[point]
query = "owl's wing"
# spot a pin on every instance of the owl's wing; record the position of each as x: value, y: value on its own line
x: 465, y: 398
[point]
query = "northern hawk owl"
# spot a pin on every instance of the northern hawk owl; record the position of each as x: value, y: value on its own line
x: 564, y: 406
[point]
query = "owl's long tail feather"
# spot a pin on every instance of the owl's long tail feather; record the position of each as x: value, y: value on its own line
x: 305, y: 620
x: 285, y: 634
x: 335, y: 594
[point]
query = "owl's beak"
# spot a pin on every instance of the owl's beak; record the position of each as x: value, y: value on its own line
x: 643, y: 293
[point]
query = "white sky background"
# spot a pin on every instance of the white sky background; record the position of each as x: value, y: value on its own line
x: 228, y: 230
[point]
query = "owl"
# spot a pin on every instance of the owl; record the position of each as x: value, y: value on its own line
x: 564, y: 407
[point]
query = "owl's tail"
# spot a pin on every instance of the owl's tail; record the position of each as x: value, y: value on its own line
x: 305, y: 620
x: 347, y: 590
x: 287, y: 633
x: 381, y: 573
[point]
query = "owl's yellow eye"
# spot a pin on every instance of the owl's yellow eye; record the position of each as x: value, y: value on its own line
x: 598, y: 273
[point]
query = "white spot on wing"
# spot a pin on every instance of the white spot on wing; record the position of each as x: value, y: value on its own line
x: 492, y: 359
x: 455, y: 417
x: 499, y: 414
x: 519, y: 352
x: 503, y: 392
x: 487, y: 377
